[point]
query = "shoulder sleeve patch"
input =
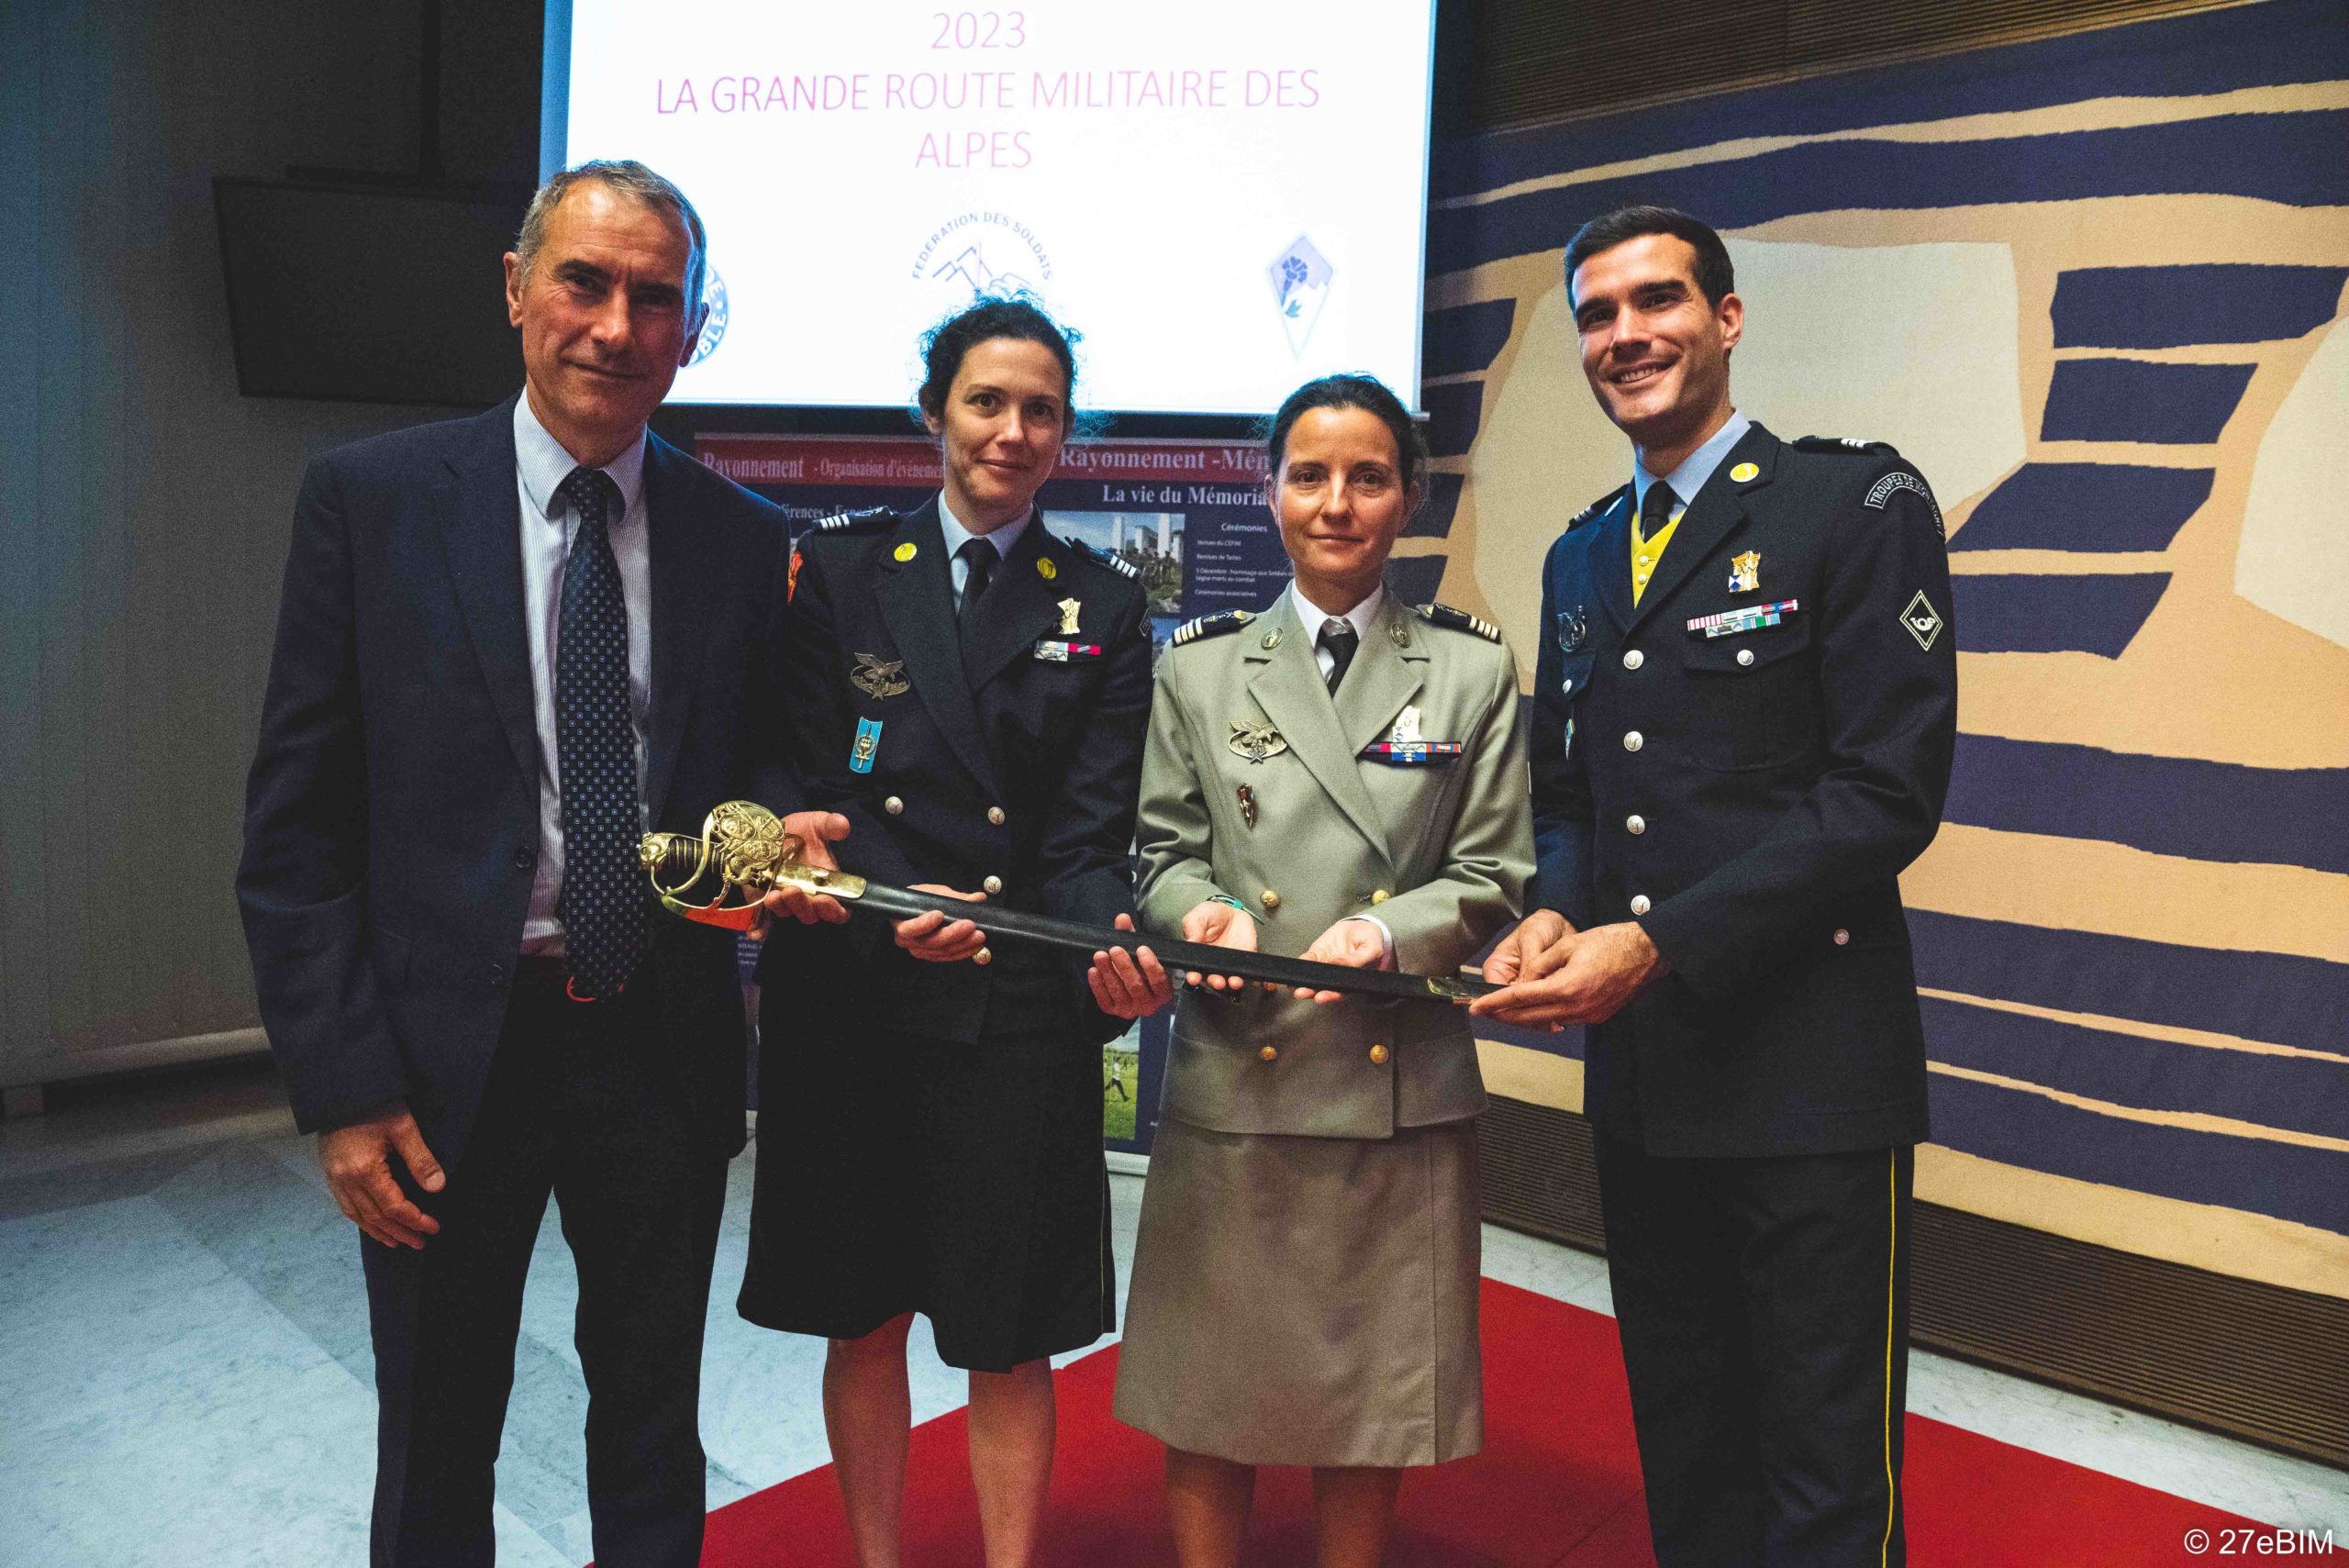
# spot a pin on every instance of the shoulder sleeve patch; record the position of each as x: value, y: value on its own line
x: 1114, y: 562
x: 1846, y: 445
x: 1210, y: 626
x: 1899, y: 479
x: 857, y: 521
x: 1459, y: 620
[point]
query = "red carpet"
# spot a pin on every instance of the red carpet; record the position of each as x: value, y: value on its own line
x: 1557, y: 1483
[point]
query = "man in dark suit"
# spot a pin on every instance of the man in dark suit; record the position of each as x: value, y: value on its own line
x: 506, y: 645
x: 1745, y: 708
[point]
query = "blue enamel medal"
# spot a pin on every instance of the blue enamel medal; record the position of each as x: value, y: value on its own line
x: 868, y: 741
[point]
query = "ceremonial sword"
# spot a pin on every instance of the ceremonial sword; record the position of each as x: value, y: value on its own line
x: 745, y: 846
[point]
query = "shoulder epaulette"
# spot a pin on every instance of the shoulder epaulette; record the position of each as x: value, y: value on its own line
x: 844, y: 522
x: 1595, y: 508
x: 1210, y: 626
x: 1114, y: 562
x: 1459, y: 620
x: 1846, y: 445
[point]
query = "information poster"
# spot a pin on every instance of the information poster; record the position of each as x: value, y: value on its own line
x: 1188, y: 515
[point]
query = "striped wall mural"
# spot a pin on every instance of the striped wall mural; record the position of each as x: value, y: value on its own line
x: 2093, y: 286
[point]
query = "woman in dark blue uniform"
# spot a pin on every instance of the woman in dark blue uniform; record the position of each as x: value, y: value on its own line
x: 971, y: 693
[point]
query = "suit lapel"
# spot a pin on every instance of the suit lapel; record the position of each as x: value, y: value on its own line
x: 1388, y: 672
x: 1717, y: 511
x: 479, y: 513
x: 1288, y: 684
x: 674, y: 541
x: 1018, y: 606
x: 917, y: 603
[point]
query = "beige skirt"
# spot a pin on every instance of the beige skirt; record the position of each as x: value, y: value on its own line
x: 1307, y: 1300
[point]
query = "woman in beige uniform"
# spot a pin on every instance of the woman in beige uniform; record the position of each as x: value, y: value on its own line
x: 1340, y: 776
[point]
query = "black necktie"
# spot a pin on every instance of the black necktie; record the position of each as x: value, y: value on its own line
x: 1655, y: 510
x: 980, y: 557
x: 602, y: 903
x: 1338, y: 637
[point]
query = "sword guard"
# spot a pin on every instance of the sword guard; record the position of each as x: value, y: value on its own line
x: 721, y: 876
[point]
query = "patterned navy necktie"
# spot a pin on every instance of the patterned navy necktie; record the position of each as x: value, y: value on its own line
x: 602, y: 903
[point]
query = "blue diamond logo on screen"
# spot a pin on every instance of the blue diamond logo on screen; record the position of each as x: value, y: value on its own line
x: 1301, y: 277
x: 713, y: 326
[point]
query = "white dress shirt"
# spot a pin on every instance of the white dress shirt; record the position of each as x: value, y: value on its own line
x: 1696, y: 468
x: 540, y: 465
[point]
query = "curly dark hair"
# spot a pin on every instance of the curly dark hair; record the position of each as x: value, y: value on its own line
x: 1017, y: 315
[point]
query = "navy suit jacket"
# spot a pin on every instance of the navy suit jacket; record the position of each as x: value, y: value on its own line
x: 392, y: 814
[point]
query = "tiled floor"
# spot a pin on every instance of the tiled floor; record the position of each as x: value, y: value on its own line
x: 185, y: 1372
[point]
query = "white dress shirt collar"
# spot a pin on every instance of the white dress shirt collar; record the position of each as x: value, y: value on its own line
x: 544, y: 464
x: 1311, y: 614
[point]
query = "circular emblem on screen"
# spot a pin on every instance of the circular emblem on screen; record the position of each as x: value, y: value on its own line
x: 713, y: 326
x: 981, y: 255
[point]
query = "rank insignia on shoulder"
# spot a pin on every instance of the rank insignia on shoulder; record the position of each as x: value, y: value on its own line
x: 1210, y: 626
x: 1845, y: 444
x: 1459, y: 620
x: 1115, y: 562
x: 1597, y: 509
x: 840, y: 522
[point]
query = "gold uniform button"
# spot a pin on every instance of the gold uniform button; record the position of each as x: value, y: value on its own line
x: 995, y: 814
x: 992, y: 885
x: 985, y: 955
x: 893, y: 806
x: 1635, y: 824
x: 1380, y: 896
x: 1378, y: 1055
x: 1634, y: 740
x: 1639, y: 905
x: 1269, y: 1053
x: 1842, y: 938
x: 1271, y: 899
x: 1633, y: 658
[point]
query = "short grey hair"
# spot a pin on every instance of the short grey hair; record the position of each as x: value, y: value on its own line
x: 630, y: 178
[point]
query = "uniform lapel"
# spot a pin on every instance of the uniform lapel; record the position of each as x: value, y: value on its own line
x: 1020, y: 606
x: 917, y: 603
x: 479, y: 513
x: 1287, y: 684
x: 1610, y: 559
x: 1387, y: 673
x: 673, y: 543
x: 1717, y: 512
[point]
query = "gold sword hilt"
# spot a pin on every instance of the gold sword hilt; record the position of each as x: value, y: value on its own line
x: 721, y: 876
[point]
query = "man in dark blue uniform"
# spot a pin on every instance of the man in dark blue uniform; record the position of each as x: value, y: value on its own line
x: 1745, y: 706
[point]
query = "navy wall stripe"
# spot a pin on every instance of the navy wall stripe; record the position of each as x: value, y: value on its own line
x: 2281, y: 43
x: 2130, y: 400
x: 2086, y: 506
x: 1454, y: 412
x: 2280, y: 997
x: 1433, y: 520
x: 2283, y: 1180
x: 2169, y: 806
x: 2294, y: 1093
x: 1467, y: 338
x: 2293, y: 158
x: 1997, y: 613
x: 2163, y: 307
x: 1416, y: 577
